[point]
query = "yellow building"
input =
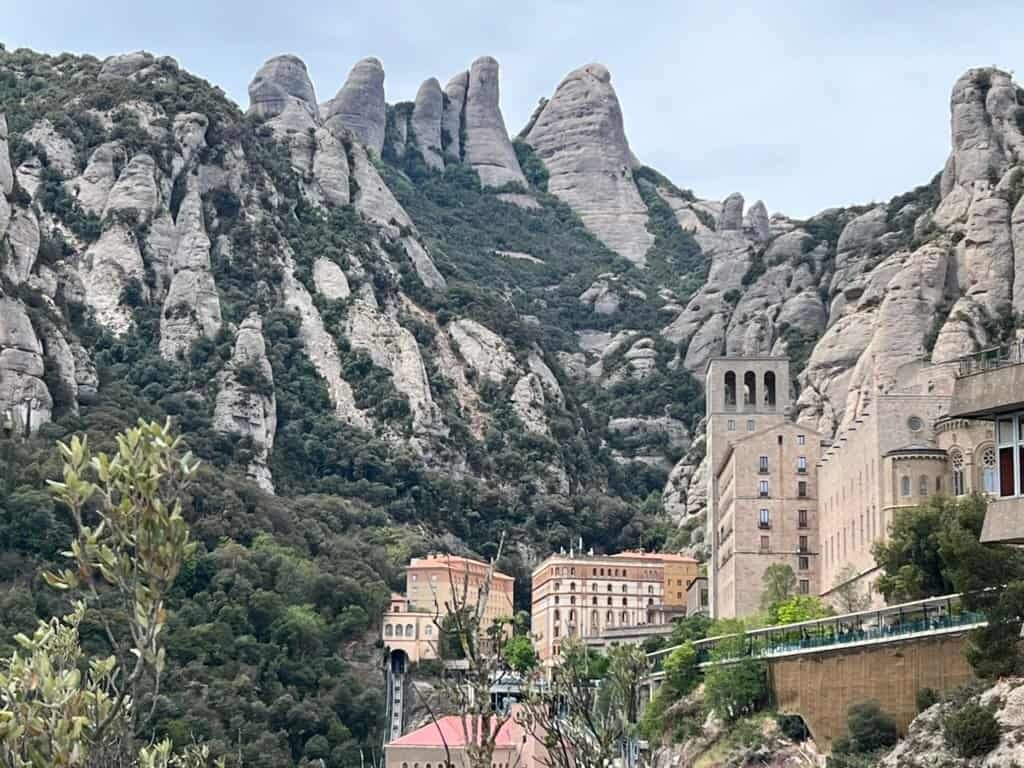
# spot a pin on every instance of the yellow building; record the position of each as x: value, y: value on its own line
x: 679, y: 572
x: 434, y: 586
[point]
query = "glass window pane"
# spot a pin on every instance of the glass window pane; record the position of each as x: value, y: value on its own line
x: 1006, y: 484
x: 1005, y: 432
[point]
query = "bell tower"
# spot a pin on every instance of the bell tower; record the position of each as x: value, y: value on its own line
x: 742, y: 395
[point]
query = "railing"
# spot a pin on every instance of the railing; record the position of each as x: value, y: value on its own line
x: 922, y: 617
x: 991, y: 359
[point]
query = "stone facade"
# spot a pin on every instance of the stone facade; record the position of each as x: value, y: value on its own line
x: 766, y: 514
x: 433, y: 585
x: 743, y: 395
x: 586, y: 596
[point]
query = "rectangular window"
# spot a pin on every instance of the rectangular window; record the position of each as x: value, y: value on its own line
x: 800, y: 439
x: 765, y: 519
x: 762, y: 464
x: 804, y: 562
x: 801, y: 518
x: 1006, y: 430
x: 731, y: 425
x: 805, y: 587
x: 801, y: 489
x: 750, y: 425
x: 801, y: 465
x: 766, y: 543
x: 803, y: 543
x: 762, y: 488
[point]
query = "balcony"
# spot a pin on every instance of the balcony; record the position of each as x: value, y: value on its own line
x: 989, y: 382
x: 1004, y: 521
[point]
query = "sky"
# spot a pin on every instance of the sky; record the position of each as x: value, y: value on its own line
x: 805, y: 105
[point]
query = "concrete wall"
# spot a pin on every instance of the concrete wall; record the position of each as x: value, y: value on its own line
x: 822, y: 687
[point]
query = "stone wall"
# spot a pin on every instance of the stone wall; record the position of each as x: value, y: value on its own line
x: 822, y: 687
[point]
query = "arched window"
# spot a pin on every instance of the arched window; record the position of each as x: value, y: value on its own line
x: 988, y: 470
x: 609, y: 601
x: 556, y: 599
x: 905, y: 485
x: 593, y: 600
x: 558, y: 615
x: 769, y: 388
x: 594, y: 619
x: 625, y: 602
x: 609, y: 587
x: 650, y: 589
x: 398, y: 630
x: 650, y: 601
x: 409, y: 631
x: 558, y: 586
x: 405, y: 765
x: 609, y: 619
x: 572, y: 600
x: 593, y: 587
x: 572, y: 617
x: 730, y: 388
x: 388, y: 630
x: 572, y: 586
x: 750, y: 388
x: 625, y: 589
x: 922, y: 486
x: 625, y: 617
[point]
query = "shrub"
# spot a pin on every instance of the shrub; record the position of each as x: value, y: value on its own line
x: 972, y: 730
x: 869, y: 728
x: 793, y: 727
x: 926, y: 697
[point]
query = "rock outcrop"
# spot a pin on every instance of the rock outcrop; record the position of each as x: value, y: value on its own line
x: 452, y: 121
x: 6, y: 173
x: 192, y: 306
x: 482, y: 349
x: 281, y: 82
x: 110, y: 265
x: 359, y: 106
x: 580, y: 137
x: 427, y: 117
x: 25, y: 402
x: 246, y: 405
x: 488, y: 148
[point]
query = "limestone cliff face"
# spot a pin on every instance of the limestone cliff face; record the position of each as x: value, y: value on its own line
x: 25, y: 401
x: 426, y: 123
x: 488, y: 148
x: 580, y: 137
x: 245, y: 404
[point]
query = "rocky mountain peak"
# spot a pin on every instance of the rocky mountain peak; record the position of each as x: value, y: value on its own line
x: 488, y: 148
x: 360, y: 104
x: 277, y: 83
x: 579, y: 135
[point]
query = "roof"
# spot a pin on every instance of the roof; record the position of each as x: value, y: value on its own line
x: 664, y: 557
x: 787, y: 425
x: 448, y: 731
x: 748, y: 358
x: 454, y: 563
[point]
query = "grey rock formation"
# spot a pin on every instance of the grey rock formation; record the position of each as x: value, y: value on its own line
x: 330, y: 281
x: 246, y: 404
x: 732, y: 212
x: 23, y: 239
x: 528, y: 404
x: 87, y: 379
x: 93, y: 187
x: 581, y: 140
x: 488, y: 148
x: 452, y: 120
x: 330, y: 168
x: 6, y: 173
x: 359, y: 106
x: 109, y: 264
x: 427, y: 116
x: 5, y: 215
x: 59, y: 151
x: 25, y: 401
x: 393, y: 347
x: 757, y: 221
x: 280, y: 82
x: 125, y: 64
x: 482, y: 349
x: 192, y: 306
x: 136, y: 188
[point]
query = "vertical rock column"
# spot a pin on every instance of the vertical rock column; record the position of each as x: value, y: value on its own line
x: 488, y: 148
x: 245, y: 403
x: 25, y: 402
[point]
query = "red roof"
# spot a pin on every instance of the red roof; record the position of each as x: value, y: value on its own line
x: 449, y: 730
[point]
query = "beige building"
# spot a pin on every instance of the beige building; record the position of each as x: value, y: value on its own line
x: 888, y: 458
x: 434, y: 585
x: 766, y: 514
x: 679, y: 572
x: 591, y: 596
